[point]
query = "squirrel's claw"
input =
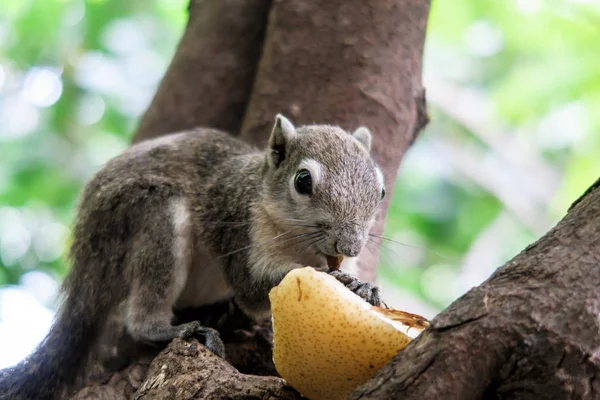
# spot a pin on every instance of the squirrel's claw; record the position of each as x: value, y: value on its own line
x: 366, y: 290
x: 210, y: 337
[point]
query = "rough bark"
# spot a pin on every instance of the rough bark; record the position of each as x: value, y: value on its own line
x: 531, y: 331
x: 209, y: 80
x: 187, y: 370
x: 350, y: 63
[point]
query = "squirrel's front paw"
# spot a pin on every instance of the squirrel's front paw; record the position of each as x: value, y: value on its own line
x: 210, y: 337
x: 366, y: 290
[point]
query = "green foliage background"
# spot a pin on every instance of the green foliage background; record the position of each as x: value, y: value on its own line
x: 510, y: 76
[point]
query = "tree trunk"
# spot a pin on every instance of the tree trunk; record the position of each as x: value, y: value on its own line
x: 210, y: 77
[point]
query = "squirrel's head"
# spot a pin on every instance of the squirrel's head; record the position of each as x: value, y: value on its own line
x: 321, y: 180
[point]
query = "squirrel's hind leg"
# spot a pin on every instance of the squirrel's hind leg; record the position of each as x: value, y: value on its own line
x: 159, y: 263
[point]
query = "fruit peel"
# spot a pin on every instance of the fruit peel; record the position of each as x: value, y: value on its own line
x: 327, y: 340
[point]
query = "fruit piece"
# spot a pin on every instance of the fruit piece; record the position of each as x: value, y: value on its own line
x: 327, y: 340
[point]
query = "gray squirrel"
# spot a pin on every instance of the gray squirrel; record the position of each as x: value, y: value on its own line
x: 193, y: 218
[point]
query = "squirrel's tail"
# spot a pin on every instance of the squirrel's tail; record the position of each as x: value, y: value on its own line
x: 51, y: 369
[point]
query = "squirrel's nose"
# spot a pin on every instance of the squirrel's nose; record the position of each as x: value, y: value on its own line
x: 347, y: 249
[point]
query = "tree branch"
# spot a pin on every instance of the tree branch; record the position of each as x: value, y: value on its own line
x: 187, y: 370
x: 530, y: 331
x: 210, y: 77
x: 249, y: 350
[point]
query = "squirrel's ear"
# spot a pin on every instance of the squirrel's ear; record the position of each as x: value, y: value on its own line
x: 363, y: 135
x: 283, y: 131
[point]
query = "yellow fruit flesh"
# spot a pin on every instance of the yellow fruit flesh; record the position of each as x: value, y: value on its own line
x: 327, y: 340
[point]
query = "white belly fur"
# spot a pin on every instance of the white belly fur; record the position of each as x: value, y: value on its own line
x: 206, y: 283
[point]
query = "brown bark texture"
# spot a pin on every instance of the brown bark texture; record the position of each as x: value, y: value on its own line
x: 187, y: 370
x: 176, y: 372
x: 531, y: 331
x: 210, y: 76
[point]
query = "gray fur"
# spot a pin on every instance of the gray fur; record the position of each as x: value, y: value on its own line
x: 363, y: 135
x: 193, y: 218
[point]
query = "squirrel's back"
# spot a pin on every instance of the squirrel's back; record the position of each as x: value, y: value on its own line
x: 175, y: 158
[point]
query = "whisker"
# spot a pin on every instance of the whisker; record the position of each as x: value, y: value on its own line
x: 371, y: 254
x: 382, y: 237
x: 235, y: 251
x: 315, y: 242
x: 311, y: 240
x: 236, y: 223
x: 383, y: 249
x: 321, y: 240
x: 250, y: 245
x: 394, y: 241
x: 304, y: 237
x: 307, y: 223
x: 282, y: 234
x: 304, y: 225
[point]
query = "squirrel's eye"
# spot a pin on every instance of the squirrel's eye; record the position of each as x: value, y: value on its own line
x: 382, y: 193
x: 303, y: 182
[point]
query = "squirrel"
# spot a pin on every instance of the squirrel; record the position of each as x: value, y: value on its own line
x: 193, y: 218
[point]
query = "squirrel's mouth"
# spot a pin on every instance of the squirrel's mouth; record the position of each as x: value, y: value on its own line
x: 334, y: 262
